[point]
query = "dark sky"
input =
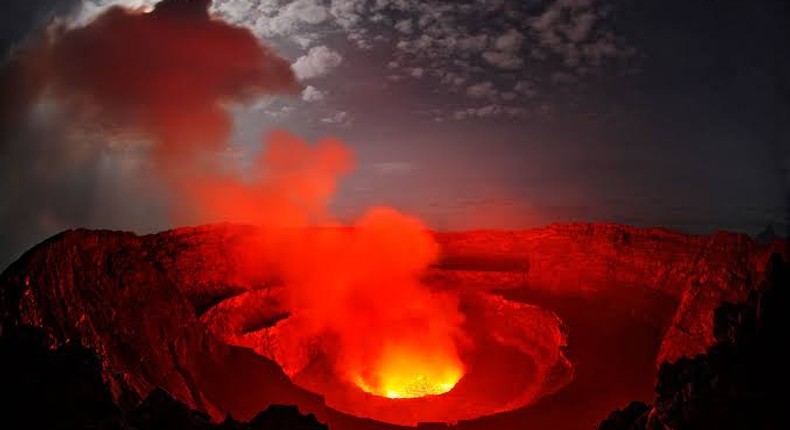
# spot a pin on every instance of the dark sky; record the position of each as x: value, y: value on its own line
x: 475, y: 114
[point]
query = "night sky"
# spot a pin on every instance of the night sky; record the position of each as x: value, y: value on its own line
x: 468, y: 114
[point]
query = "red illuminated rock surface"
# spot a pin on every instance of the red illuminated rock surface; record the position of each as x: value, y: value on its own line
x: 146, y: 304
x: 601, y: 259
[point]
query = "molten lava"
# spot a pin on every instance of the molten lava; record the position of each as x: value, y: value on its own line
x: 404, y: 373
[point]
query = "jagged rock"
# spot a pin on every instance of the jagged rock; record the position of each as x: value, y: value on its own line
x: 44, y: 388
x: 739, y: 383
x: 629, y: 418
x: 136, y: 301
x: 160, y: 411
x: 285, y: 417
x: 64, y: 388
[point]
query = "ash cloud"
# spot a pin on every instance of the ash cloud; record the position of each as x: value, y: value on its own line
x: 105, y: 124
x: 153, y: 90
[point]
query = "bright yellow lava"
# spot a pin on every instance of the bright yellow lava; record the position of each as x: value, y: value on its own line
x: 404, y: 375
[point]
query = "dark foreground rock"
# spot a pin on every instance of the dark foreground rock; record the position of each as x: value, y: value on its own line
x: 63, y: 388
x: 741, y: 383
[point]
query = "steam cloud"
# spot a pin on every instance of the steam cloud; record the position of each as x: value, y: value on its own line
x: 156, y: 87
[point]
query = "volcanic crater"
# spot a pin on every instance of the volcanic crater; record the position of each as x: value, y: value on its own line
x: 570, y: 314
x: 513, y: 357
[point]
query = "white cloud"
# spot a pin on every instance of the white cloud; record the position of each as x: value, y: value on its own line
x: 508, y: 95
x: 360, y: 39
x: 308, y: 11
x: 404, y: 26
x: 526, y: 88
x: 473, y: 43
x: 482, y: 90
x: 281, y: 112
x: 304, y: 40
x: 477, y: 112
x: 453, y: 79
x: 233, y: 10
x: 506, y: 55
x: 575, y: 31
x: 489, y: 111
x: 339, y: 118
x: 347, y: 13
x: 90, y: 9
x: 439, y: 39
x: 292, y: 17
x: 319, y: 61
x: 312, y: 94
x: 563, y: 78
x: 503, y: 60
x: 510, y: 41
x: 580, y: 27
x: 266, y: 7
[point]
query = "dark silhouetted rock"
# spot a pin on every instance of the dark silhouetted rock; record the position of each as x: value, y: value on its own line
x: 628, y: 418
x: 767, y: 236
x: 285, y: 417
x: 43, y: 388
x: 63, y: 388
x: 741, y: 382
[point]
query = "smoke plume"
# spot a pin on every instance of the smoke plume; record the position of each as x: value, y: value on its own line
x: 155, y: 88
x: 97, y: 120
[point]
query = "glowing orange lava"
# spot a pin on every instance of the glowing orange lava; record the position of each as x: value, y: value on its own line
x: 404, y: 373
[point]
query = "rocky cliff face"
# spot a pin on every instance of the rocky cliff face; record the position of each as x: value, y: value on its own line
x: 699, y: 272
x: 739, y: 383
x: 137, y: 300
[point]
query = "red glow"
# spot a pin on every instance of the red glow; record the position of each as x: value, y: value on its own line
x: 405, y: 371
x: 355, y: 299
x: 393, y: 336
x: 168, y: 74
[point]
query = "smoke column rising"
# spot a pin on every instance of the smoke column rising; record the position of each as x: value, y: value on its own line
x: 167, y: 78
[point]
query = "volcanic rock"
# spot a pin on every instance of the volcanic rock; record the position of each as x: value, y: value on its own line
x: 700, y: 272
x: 125, y: 298
x: 139, y: 302
x: 64, y: 388
x: 739, y: 383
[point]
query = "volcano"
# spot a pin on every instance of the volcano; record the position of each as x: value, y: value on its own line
x: 549, y: 317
